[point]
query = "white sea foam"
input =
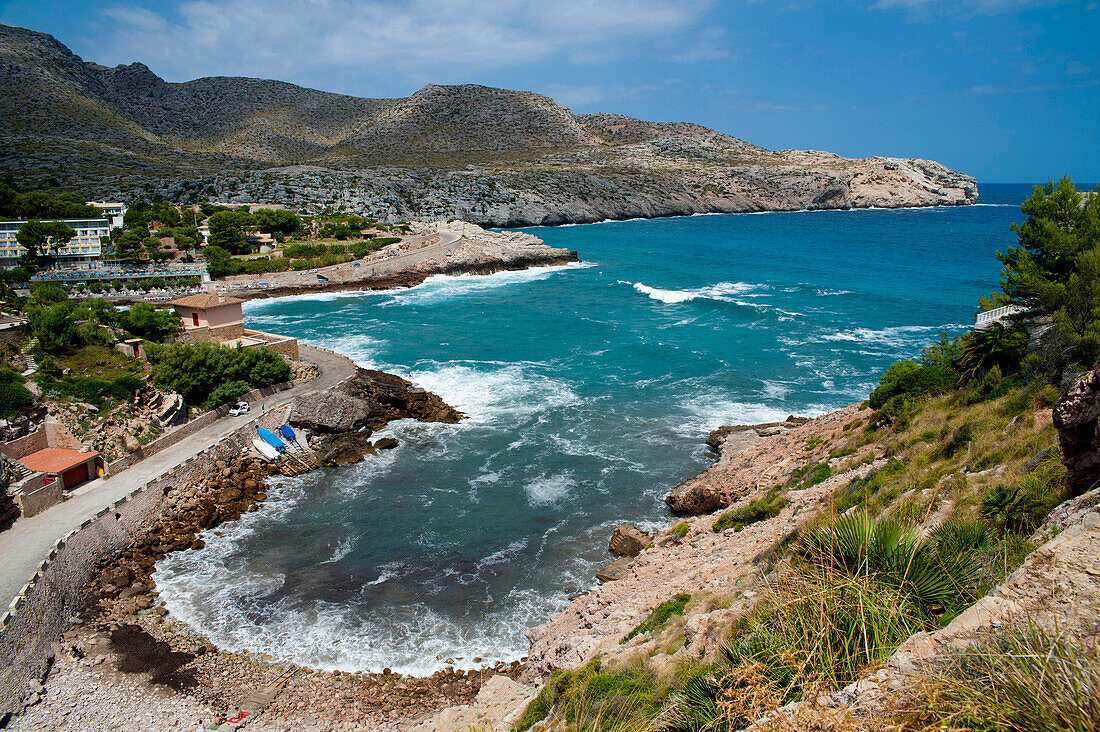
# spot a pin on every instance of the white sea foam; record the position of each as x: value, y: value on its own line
x: 343, y: 548
x: 547, y: 489
x: 896, y: 336
x: 723, y: 291
x: 442, y: 288
x: 486, y: 391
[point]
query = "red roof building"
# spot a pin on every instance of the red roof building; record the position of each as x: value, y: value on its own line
x: 71, y: 467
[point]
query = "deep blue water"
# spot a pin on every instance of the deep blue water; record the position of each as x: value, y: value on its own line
x: 589, y: 390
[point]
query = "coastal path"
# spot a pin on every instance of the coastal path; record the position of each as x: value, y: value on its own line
x: 28, y: 541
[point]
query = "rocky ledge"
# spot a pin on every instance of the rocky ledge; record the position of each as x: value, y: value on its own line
x: 341, y: 421
x: 703, y: 494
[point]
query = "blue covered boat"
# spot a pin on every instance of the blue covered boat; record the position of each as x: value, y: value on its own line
x: 270, y: 438
x: 287, y: 432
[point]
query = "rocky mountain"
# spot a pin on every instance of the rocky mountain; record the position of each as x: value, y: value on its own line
x: 491, y: 156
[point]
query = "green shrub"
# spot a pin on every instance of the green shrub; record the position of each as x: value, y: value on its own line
x: 590, y: 699
x: 226, y: 393
x: 13, y: 395
x: 822, y: 628
x: 760, y: 509
x: 810, y: 475
x: 909, y: 378
x: 934, y: 579
x: 660, y: 615
x: 197, y: 371
x: 680, y: 530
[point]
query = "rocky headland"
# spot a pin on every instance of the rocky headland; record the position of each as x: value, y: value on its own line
x: 495, y: 157
x: 437, y: 248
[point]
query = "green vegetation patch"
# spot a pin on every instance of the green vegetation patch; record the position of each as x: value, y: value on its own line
x: 660, y: 615
x: 760, y: 509
x: 591, y: 698
x: 210, y: 374
x: 680, y: 530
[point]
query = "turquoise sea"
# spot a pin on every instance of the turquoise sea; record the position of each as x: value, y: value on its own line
x: 589, y: 389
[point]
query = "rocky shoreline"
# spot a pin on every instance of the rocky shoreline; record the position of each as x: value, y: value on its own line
x: 473, y: 251
x: 123, y: 634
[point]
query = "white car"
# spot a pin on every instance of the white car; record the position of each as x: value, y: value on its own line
x: 239, y: 408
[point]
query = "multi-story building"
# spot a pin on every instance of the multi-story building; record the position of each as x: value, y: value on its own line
x: 113, y: 211
x: 85, y: 247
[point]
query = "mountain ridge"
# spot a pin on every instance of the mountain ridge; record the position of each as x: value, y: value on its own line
x: 491, y: 156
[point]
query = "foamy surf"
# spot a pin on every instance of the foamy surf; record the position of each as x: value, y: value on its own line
x: 723, y: 291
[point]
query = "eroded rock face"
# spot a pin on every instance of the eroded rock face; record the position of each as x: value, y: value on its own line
x: 628, y: 541
x: 1077, y: 418
x: 334, y: 411
x: 347, y: 448
x: 693, y: 497
x: 395, y: 398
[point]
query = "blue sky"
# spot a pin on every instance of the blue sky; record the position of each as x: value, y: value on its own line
x: 1006, y: 90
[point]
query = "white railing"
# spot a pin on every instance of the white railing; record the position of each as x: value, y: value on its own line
x: 989, y: 317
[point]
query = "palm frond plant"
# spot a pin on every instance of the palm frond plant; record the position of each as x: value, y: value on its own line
x: 894, y: 553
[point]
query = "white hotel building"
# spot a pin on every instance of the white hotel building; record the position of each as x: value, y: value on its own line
x: 84, y: 248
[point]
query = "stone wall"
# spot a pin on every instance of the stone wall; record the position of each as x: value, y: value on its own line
x: 25, y: 445
x: 37, y: 495
x: 15, y: 334
x: 35, y: 620
x: 282, y: 345
x: 190, y: 428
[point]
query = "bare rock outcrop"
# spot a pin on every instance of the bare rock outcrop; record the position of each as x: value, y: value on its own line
x: 628, y: 541
x: 1077, y: 419
x: 333, y: 411
x: 368, y: 401
x: 397, y: 398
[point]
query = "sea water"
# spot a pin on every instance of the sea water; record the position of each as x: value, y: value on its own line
x: 588, y: 390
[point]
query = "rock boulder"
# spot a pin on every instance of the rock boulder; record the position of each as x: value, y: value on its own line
x: 628, y: 541
x: 334, y: 411
x: 693, y: 497
x: 1077, y: 418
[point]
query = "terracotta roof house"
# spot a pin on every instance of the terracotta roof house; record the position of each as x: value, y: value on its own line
x: 219, y: 319
x: 70, y: 467
x: 219, y: 316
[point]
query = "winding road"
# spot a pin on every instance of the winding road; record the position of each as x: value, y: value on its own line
x: 28, y: 541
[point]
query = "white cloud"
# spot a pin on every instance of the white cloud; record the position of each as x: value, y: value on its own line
x: 1076, y: 68
x: 437, y: 40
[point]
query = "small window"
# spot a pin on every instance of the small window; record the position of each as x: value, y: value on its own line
x: 195, y: 319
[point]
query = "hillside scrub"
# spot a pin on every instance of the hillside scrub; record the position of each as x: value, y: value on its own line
x: 209, y: 374
x: 972, y: 468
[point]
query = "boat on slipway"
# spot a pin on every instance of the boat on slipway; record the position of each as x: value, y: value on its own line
x: 265, y: 449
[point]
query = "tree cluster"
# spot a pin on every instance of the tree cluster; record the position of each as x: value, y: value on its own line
x: 15, y: 204
x: 210, y: 374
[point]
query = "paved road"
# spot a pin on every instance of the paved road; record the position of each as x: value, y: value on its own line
x: 26, y: 543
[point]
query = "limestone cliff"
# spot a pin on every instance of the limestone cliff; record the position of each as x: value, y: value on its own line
x: 490, y: 156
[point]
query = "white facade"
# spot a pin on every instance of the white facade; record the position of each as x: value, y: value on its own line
x: 113, y: 211
x: 84, y: 247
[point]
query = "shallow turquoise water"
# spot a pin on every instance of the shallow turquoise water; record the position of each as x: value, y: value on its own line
x: 589, y: 390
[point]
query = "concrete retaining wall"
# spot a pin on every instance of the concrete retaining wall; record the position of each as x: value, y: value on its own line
x: 40, y: 613
x: 37, y: 495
